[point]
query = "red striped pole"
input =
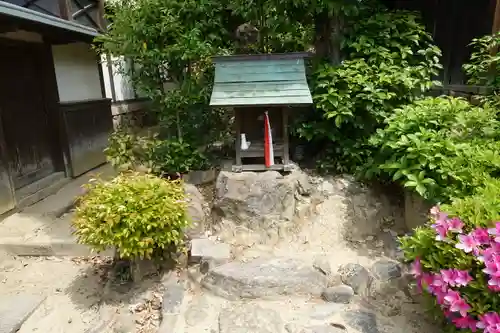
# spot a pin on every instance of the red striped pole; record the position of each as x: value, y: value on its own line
x: 268, y: 142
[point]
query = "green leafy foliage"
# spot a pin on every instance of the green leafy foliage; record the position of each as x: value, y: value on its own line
x: 484, y: 61
x: 170, y: 45
x: 440, y: 147
x: 172, y: 156
x: 137, y: 214
x: 127, y: 150
x: 480, y: 209
x: 484, y: 66
x: 390, y: 60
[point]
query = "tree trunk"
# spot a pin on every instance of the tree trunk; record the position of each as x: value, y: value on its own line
x: 328, y: 35
x: 335, y: 39
x: 321, y: 39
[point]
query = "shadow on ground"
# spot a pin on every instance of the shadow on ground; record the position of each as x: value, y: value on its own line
x: 109, y: 282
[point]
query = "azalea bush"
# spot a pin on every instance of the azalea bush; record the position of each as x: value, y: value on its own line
x: 138, y: 214
x: 456, y: 260
x: 442, y: 147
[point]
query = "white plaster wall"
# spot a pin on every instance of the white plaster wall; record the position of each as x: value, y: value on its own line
x: 77, y: 72
x: 123, y: 88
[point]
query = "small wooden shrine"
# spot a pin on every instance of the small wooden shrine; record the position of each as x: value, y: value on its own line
x: 261, y: 89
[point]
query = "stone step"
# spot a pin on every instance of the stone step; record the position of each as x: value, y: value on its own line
x: 263, y: 277
x: 63, y: 247
x: 16, y: 309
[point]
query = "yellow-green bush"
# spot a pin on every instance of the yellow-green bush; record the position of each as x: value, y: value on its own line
x: 138, y: 214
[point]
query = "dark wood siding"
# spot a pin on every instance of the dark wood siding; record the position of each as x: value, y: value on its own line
x: 26, y: 118
x: 453, y: 24
x: 87, y: 126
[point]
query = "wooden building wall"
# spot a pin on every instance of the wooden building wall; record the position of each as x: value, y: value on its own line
x: 453, y: 24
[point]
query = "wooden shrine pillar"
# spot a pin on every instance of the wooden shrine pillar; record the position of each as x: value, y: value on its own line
x: 286, y: 149
x: 237, y: 122
x: 496, y: 18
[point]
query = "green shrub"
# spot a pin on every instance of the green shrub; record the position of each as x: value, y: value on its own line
x: 481, y: 208
x: 127, y: 150
x: 483, y: 66
x: 456, y: 257
x: 137, y: 214
x: 440, y: 147
x: 390, y: 59
x: 172, y: 156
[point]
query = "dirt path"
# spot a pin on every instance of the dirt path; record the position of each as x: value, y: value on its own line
x: 80, y: 298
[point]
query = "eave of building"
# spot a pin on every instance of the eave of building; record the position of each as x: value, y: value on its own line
x: 36, y: 17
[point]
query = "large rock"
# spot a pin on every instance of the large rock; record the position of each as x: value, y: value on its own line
x: 204, y: 248
x: 195, y: 211
x: 325, y: 328
x: 386, y: 270
x: 255, y: 200
x: 338, y: 294
x: 249, y: 318
x: 357, y: 277
x: 208, y: 253
x: 362, y: 321
x: 265, y: 278
x: 416, y: 210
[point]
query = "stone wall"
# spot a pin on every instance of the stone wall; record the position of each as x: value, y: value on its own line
x: 416, y: 210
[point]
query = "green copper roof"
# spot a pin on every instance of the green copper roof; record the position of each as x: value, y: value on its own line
x: 253, y: 80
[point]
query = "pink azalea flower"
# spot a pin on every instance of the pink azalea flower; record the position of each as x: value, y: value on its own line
x: 486, y: 254
x: 441, y: 230
x: 452, y: 296
x: 442, y: 225
x: 495, y: 232
x: 462, y: 278
x: 489, y: 322
x: 494, y: 288
x: 481, y: 236
x: 456, y: 303
x: 495, y: 246
x: 455, y: 225
x: 441, y: 218
x: 426, y: 280
x: 416, y: 267
x: 467, y: 243
x: 440, y: 297
x: 455, y: 277
x: 466, y: 322
x: 435, y: 211
x: 492, y: 265
x: 494, y: 281
x: 449, y: 276
x: 438, y: 284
